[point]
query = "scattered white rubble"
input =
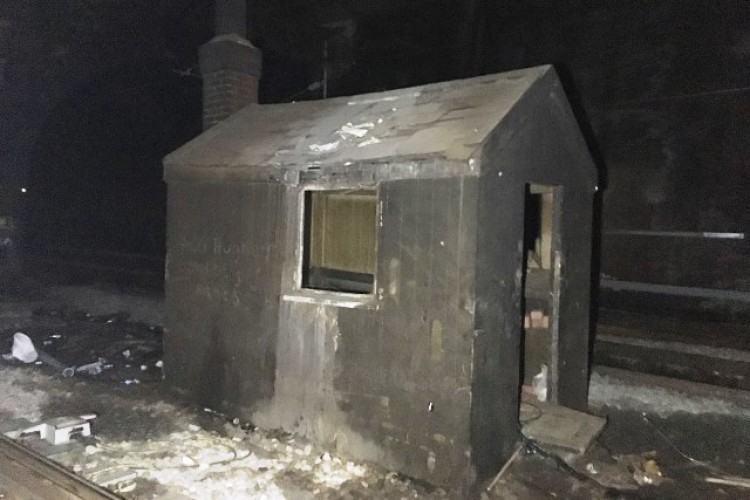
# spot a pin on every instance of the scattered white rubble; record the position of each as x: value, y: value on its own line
x: 360, y: 130
x: 368, y: 142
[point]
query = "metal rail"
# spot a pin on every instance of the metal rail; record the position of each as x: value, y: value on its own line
x: 27, y: 475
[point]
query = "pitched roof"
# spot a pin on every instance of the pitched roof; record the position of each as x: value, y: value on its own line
x: 450, y: 120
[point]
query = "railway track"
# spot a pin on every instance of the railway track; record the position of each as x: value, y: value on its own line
x: 26, y: 475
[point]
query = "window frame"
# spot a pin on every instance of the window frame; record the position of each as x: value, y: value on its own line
x: 301, y: 293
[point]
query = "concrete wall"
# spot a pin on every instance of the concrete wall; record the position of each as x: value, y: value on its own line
x: 222, y: 291
x: 388, y: 380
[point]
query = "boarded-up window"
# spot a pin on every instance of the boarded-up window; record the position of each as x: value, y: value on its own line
x: 340, y: 240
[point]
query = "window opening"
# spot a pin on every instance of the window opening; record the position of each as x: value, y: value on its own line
x: 340, y: 239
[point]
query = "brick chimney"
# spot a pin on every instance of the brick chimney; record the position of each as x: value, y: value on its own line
x: 230, y: 65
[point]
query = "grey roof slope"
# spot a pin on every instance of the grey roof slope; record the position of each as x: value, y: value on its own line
x: 449, y: 119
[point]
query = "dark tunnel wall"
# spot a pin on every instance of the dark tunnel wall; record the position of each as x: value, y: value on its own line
x: 95, y: 173
x: 664, y: 87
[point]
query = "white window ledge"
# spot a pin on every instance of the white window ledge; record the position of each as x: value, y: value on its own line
x: 328, y: 298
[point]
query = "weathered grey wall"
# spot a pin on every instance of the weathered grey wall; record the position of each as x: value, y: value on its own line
x: 363, y: 379
x: 222, y: 290
x: 534, y: 145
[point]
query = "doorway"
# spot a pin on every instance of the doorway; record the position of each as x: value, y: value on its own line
x: 540, y: 298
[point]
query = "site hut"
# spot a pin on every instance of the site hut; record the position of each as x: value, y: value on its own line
x: 357, y: 270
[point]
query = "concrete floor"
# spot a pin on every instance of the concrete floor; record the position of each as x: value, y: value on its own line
x: 174, y: 450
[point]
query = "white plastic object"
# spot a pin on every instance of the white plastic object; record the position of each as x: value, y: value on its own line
x: 539, y: 384
x: 23, y: 348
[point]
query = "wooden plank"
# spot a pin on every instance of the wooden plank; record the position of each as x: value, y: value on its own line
x: 27, y: 475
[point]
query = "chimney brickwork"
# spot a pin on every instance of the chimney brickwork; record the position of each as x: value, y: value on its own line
x: 231, y: 67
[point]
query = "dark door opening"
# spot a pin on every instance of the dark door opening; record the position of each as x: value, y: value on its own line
x: 539, y: 303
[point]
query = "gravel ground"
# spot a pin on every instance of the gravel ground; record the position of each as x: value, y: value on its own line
x: 147, y: 443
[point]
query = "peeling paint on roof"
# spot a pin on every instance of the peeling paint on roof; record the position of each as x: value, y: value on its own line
x: 449, y: 120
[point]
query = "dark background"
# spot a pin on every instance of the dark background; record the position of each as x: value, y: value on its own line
x: 93, y: 93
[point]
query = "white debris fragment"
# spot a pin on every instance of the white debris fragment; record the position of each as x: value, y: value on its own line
x: 126, y: 353
x: 194, y: 427
x: 360, y: 130
x: 324, y: 148
x: 159, y: 364
x: 56, y: 336
x: 131, y: 381
x: 368, y: 142
x: 188, y: 462
x: 125, y: 489
x: 539, y: 384
x: 144, y: 368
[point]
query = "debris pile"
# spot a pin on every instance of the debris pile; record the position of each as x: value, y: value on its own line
x: 108, y: 347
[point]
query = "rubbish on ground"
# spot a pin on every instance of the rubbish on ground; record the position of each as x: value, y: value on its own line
x: 194, y: 427
x: 131, y: 381
x: 67, y: 371
x: 144, y: 368
x: 591, y: 469
x: 647, y: 472
x: 505, y: 467
x: 539, y: 384
x: 23, y: 348
x: 94, y: 368
x: 645, y: 468
x: 126, y: 353
x: 159, y: 364
x: 57, y: 430
x: 113, y: 477
x: 740, y: 482
x: 126, y: 488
